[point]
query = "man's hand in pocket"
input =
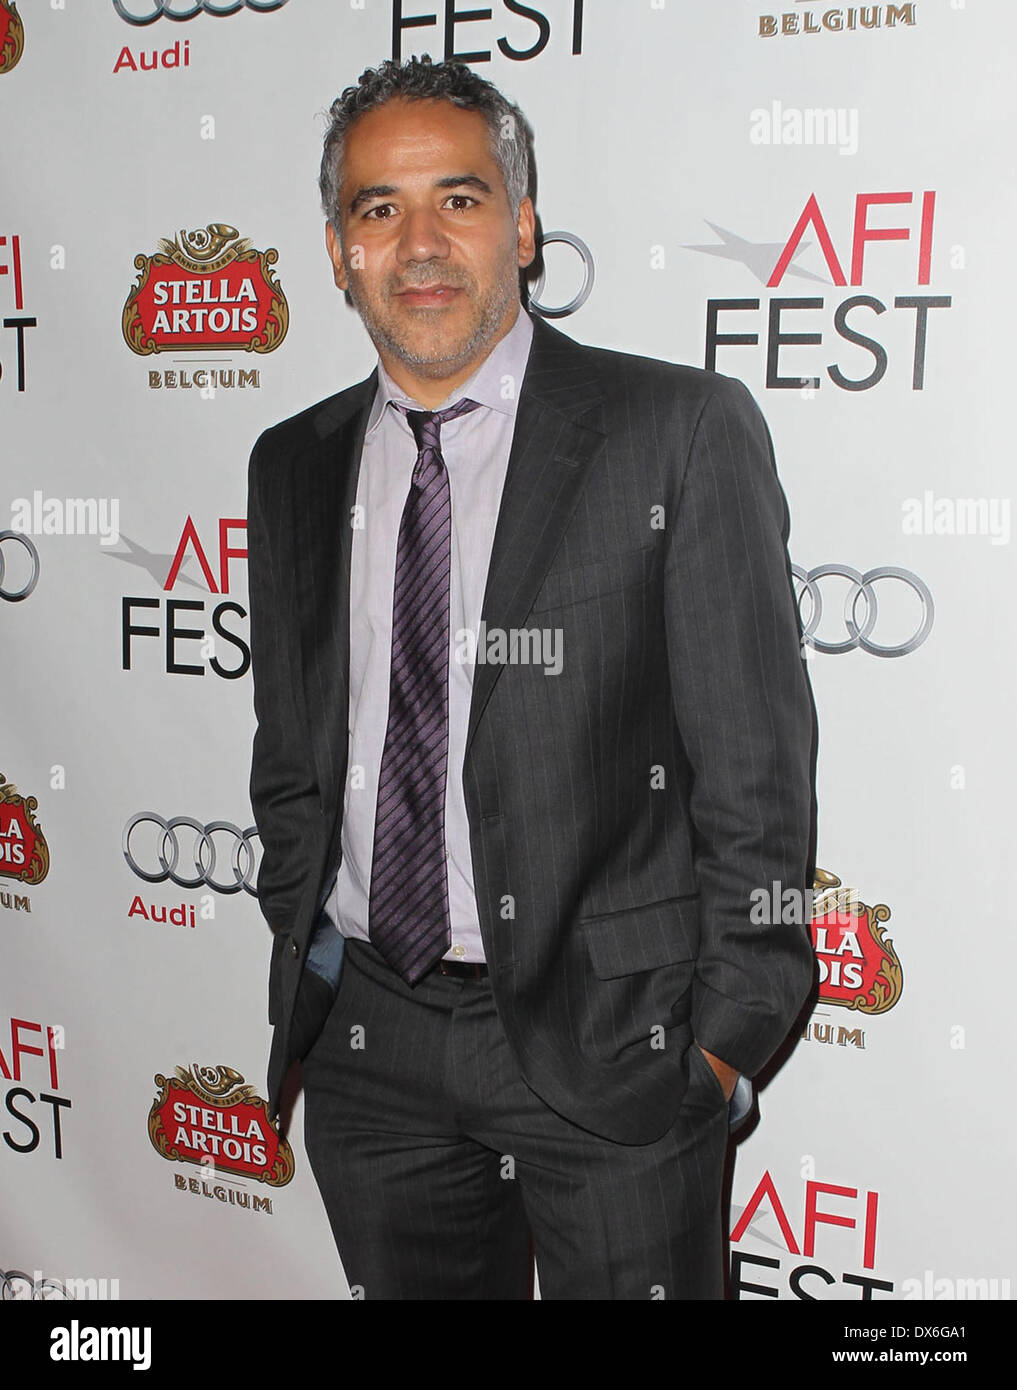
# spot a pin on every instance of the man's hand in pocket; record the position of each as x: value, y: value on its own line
x: 727, y: 1076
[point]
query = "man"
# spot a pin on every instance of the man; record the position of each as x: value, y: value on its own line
x: 533, y: 724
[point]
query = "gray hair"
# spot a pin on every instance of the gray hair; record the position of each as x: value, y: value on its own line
x: 418, y: 79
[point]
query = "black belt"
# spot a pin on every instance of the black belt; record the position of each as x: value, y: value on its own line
x: 463, y: 969
x: 456, y: 969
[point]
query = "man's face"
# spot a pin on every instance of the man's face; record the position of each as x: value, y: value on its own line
x: 430, y: 251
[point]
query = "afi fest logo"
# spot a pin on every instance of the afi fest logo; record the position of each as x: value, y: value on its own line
x: 207, y: 291
x: 211, y: 1117
x: 30, y: 1064
x: 173, y: 632
x: 796, y: 329
x: 773, y: 1225
x: 12, y: 36
x: 467, y: 36
x: 17, y: 323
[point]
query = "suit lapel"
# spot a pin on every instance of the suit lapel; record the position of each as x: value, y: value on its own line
x: 552, y: 447
x: 551, y: 452
x: 325, y: 493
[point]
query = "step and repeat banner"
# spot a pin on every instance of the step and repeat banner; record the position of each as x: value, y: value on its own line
x: 814, y: 198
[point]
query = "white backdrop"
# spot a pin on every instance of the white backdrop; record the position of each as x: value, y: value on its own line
x: 657, y: 145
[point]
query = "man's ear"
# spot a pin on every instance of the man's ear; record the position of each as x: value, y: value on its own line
x: 526, y: 232
x: 335, y: 255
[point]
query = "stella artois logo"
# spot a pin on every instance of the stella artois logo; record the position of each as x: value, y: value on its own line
x: 858, y: 966
x: 12, y: 36
x: 24, y: 854
x: 208, y: 289
x: 210, y: 1115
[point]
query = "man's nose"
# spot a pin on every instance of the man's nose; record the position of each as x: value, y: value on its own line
x: 423, y: 238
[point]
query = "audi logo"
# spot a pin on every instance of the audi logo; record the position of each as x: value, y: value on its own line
x: 164, y: 857
x: 16, y: 595
x: 187, y: 9
x: 862, y: 586
x: 586, y: 256
x: 15, y: 1285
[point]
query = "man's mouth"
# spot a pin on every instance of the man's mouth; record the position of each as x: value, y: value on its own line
x: 429, y: 294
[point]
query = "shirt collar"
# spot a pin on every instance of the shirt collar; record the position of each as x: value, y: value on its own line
x: 485, y: 386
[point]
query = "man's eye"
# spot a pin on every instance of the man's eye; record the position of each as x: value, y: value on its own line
x: 387, y: 208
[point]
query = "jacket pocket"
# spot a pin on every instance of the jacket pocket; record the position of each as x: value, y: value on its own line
x: 704, y: 1090
x: 643, y: 938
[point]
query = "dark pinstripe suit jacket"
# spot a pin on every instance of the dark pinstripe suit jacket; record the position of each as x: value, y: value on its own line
x: 621, y: 812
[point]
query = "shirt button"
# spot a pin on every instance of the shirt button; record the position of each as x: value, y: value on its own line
x: 459, y: 951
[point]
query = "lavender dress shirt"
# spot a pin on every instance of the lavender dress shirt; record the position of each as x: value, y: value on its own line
x: 476, y: 452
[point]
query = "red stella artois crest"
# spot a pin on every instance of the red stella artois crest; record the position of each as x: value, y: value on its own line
x: 207, y: 289
x: 858, y: 966
x: 12, y: 36
x: 210, y: 1114
x: 24, y: 854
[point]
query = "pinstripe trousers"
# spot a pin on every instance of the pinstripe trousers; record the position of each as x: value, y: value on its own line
x: 438, y: 1165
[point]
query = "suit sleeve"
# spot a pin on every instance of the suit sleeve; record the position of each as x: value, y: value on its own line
x: 283, y: 786
x: 745, y: 717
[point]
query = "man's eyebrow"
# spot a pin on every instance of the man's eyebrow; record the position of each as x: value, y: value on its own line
x: 465, y: 181
x: 385, y: 190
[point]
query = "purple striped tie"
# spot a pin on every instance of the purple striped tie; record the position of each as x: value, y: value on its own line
x: 408, y: 916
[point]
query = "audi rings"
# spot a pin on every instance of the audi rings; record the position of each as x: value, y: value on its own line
x: 16, y: 595
x: 17, y: 1286
x: 156, y: 8
x: 202, y: 853
x: 586, y: 256
x: 861, y: 587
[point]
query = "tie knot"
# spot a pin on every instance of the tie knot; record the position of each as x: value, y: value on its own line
x: 426, y: 424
